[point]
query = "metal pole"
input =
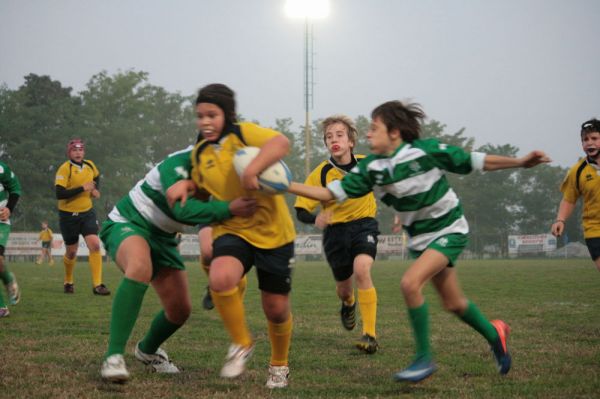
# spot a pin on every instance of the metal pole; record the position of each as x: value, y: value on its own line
x: 307, y: 83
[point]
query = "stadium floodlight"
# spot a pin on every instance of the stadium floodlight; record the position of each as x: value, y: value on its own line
x: 307, y: 9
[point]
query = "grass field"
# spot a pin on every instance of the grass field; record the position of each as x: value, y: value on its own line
x: 51, y: 346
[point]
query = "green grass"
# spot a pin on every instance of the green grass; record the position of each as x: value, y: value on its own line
x: 52, y: 344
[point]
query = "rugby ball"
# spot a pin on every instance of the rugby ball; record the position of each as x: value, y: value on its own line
x: 273, y: 180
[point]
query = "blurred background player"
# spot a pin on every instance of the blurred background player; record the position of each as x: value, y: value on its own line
x: 10, y: 191
x: 407, y: 173
x: 141, y: 235
x: 266, y: 240
x: 46, y: 239
x: 77, y: 182
x: 350, y: 230
x: 582, y: 180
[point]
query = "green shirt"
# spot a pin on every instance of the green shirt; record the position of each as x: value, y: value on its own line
x: 146, y: 203
x: 9, y: 184
x: 412, y: 181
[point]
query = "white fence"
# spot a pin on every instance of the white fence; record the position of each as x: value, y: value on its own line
x: 28, y: 244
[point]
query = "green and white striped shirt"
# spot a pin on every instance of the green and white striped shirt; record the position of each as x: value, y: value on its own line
x: 9, y: 184
x: 412, y: 181
x: 147, y: 205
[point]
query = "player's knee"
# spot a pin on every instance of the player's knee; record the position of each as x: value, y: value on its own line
x: 179, y: 314
x: 276, y: 312
x: 409, y: 286
x: 222, y: 281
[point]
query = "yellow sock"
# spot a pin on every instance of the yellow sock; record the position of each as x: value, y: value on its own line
x: 69, y: 266
x: 242, y: 286
x: 95, y: 260
x: 231, y: 308
x: 367, y: 302
x: 280, y: 336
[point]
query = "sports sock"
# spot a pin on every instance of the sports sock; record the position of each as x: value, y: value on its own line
x: 242, y: 286
x: 419, y: 320
x: 95, y: 260
x: 367, y: 302
x: 2, y: 303
x: 160, y: 330
x: 6, y: 276
x: 69, y: 266
x: 231, y: 308
x: 478, y: 321
x: 125, y: 309
x: 280, y: 335
x: 350, y: 301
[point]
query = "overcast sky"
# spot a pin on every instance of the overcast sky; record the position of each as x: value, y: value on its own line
x: 524, y: 72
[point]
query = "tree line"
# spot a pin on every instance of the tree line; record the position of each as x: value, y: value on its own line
x: 129, y: 125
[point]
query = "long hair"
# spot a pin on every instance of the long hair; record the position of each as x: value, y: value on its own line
x: 407, y: 118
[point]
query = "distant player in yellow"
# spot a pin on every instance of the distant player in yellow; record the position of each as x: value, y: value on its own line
x: 265, y: 240
x: 77, y: 182
x: 583, y: 180
x: 350, y: 230
x: 46, y: 239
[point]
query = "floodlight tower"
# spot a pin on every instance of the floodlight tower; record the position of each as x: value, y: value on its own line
x: 308, y: 10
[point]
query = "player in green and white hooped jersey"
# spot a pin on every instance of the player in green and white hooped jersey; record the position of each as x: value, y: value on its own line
x: 140, y: 235
x: 407, y: 174
x: 10, y: 191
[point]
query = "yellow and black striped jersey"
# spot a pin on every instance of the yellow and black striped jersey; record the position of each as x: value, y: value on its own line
x: 70, y: 175
x: 347, y: 211
x: 271, y: 226
x: 583, y: 180
x: 46, y: 235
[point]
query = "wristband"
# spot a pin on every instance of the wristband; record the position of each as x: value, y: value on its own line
x: 560, y: 220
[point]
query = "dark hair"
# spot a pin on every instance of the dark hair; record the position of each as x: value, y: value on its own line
x: 591, y: 126
x: 220, y: 95
x: 407, y: 118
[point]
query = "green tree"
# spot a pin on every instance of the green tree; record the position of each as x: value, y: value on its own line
x: 35, y: 122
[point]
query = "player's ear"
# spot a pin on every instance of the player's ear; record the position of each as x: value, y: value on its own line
x: 394, y: 133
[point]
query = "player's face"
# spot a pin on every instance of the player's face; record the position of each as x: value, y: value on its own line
x: 379, y: 138
x: 591, y: 144
x: 210, y: 121
x: 77, y: 154
x: 337, y: 140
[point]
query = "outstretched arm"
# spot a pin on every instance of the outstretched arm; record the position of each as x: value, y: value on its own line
x: 497, y: 162
x: 313, y: 192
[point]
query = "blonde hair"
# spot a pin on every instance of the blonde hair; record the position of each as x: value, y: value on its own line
x: 346, y: 120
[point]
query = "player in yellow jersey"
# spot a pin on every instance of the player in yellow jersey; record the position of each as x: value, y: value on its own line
x: 350, y: 230
x: 77, y: 182
x: 46, y: 239
x: 583, y: 180
x: 265, y: 240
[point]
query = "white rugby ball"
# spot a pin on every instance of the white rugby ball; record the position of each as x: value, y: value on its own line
x: 273, y: 180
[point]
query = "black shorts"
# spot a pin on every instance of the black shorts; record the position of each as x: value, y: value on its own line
x: 72, y: 224
x: 593, y: 245
x: 343, y: 242
x: 273, y: 266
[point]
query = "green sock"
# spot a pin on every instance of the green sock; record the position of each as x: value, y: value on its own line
x: 2, y: 303
x: 477, y: 320
x: 125, y: 309
x: 6, y: 276
x: 160, y: 330
x: 419, y: 320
